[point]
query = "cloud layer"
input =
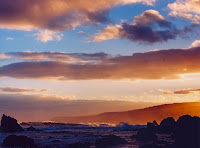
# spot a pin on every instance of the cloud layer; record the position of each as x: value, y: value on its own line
x: 59, y: 56
x: 162, y: 64
x: 20, y: 90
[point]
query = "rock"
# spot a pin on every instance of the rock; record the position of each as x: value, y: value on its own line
x: 108, y: 141
x: 146, y: 134
x: 188, y: 132
x: 55, y: 141
x: 167, y: 125
x: 156, y: 146
x: 155, y: 123
x: 151, y: 127
x: 133, y: 136
x: 79, y: 145
x: 50, y: 137
x: 31, y: 128
x: 20, y: 141
x: 10, y: 125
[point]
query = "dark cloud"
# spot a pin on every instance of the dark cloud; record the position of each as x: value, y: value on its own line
x: 183, y: 91
x: 20, y: 90
x: 146, y: 33
x: 149, y: 27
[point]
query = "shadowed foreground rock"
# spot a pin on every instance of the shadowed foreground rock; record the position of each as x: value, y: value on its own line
x: 146, y: 134
x: 79, y: 145
x: 10, y: 125
x: 167, y: 125
x: 20, y: 141
x: 108, y: 141
x: 188, y: 132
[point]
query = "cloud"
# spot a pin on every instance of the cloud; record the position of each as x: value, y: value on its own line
x: 20, y: 90
x: 47, y: 35
x: 189, y: 9
x: 180, y: 92
x: 162, y: 64
x: 9, y: 38
x: 4, y: 56
x: 60, y: 56
x: 195, y: 44
x: 57, y: 15
x: 144, y: 29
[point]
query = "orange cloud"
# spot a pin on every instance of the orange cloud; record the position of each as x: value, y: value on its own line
x: 4, y: 56
x: 162, y: 64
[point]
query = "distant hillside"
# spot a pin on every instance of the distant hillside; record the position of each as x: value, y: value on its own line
x: 140, y: 116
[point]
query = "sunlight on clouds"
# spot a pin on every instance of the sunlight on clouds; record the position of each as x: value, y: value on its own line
x: 4, y: 56
x: 196, y: 43
x: 189, y: 9
x: 47, y: 35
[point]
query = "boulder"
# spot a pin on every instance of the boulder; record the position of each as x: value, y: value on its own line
x: 10, y: 125
x: 79, y: 145
x: 31, y: 128
x: 146, y: 134
x: 18, y: 141
x: 109, y: 141
x: 188, y: 132
x: 167, y: 125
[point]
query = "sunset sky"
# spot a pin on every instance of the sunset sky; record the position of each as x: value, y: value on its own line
x: 69, y: 51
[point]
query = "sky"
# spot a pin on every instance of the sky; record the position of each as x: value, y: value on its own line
x: 72, y: 52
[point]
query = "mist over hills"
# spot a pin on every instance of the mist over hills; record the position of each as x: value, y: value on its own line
x: 139, y: 116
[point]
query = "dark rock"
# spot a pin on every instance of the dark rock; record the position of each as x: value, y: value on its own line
x: 10, y: 125
x: 31, y: 128
x: 20, y: 141
x: 153, y: 145
x: 146, y: 134
x: 50, y: 137
x: 188, y: 132
x: 155, y: 123
x: 79, y: 145
x: 167, y: 125
x: 133, y: 136
x: 108, y: 141
x: 151, y: 127
x: 55, y: 141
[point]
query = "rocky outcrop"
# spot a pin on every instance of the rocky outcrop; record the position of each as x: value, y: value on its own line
x: 18, y: 141
x: 10, y: 125
x: 108, y: 141
x: 167, y: 125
